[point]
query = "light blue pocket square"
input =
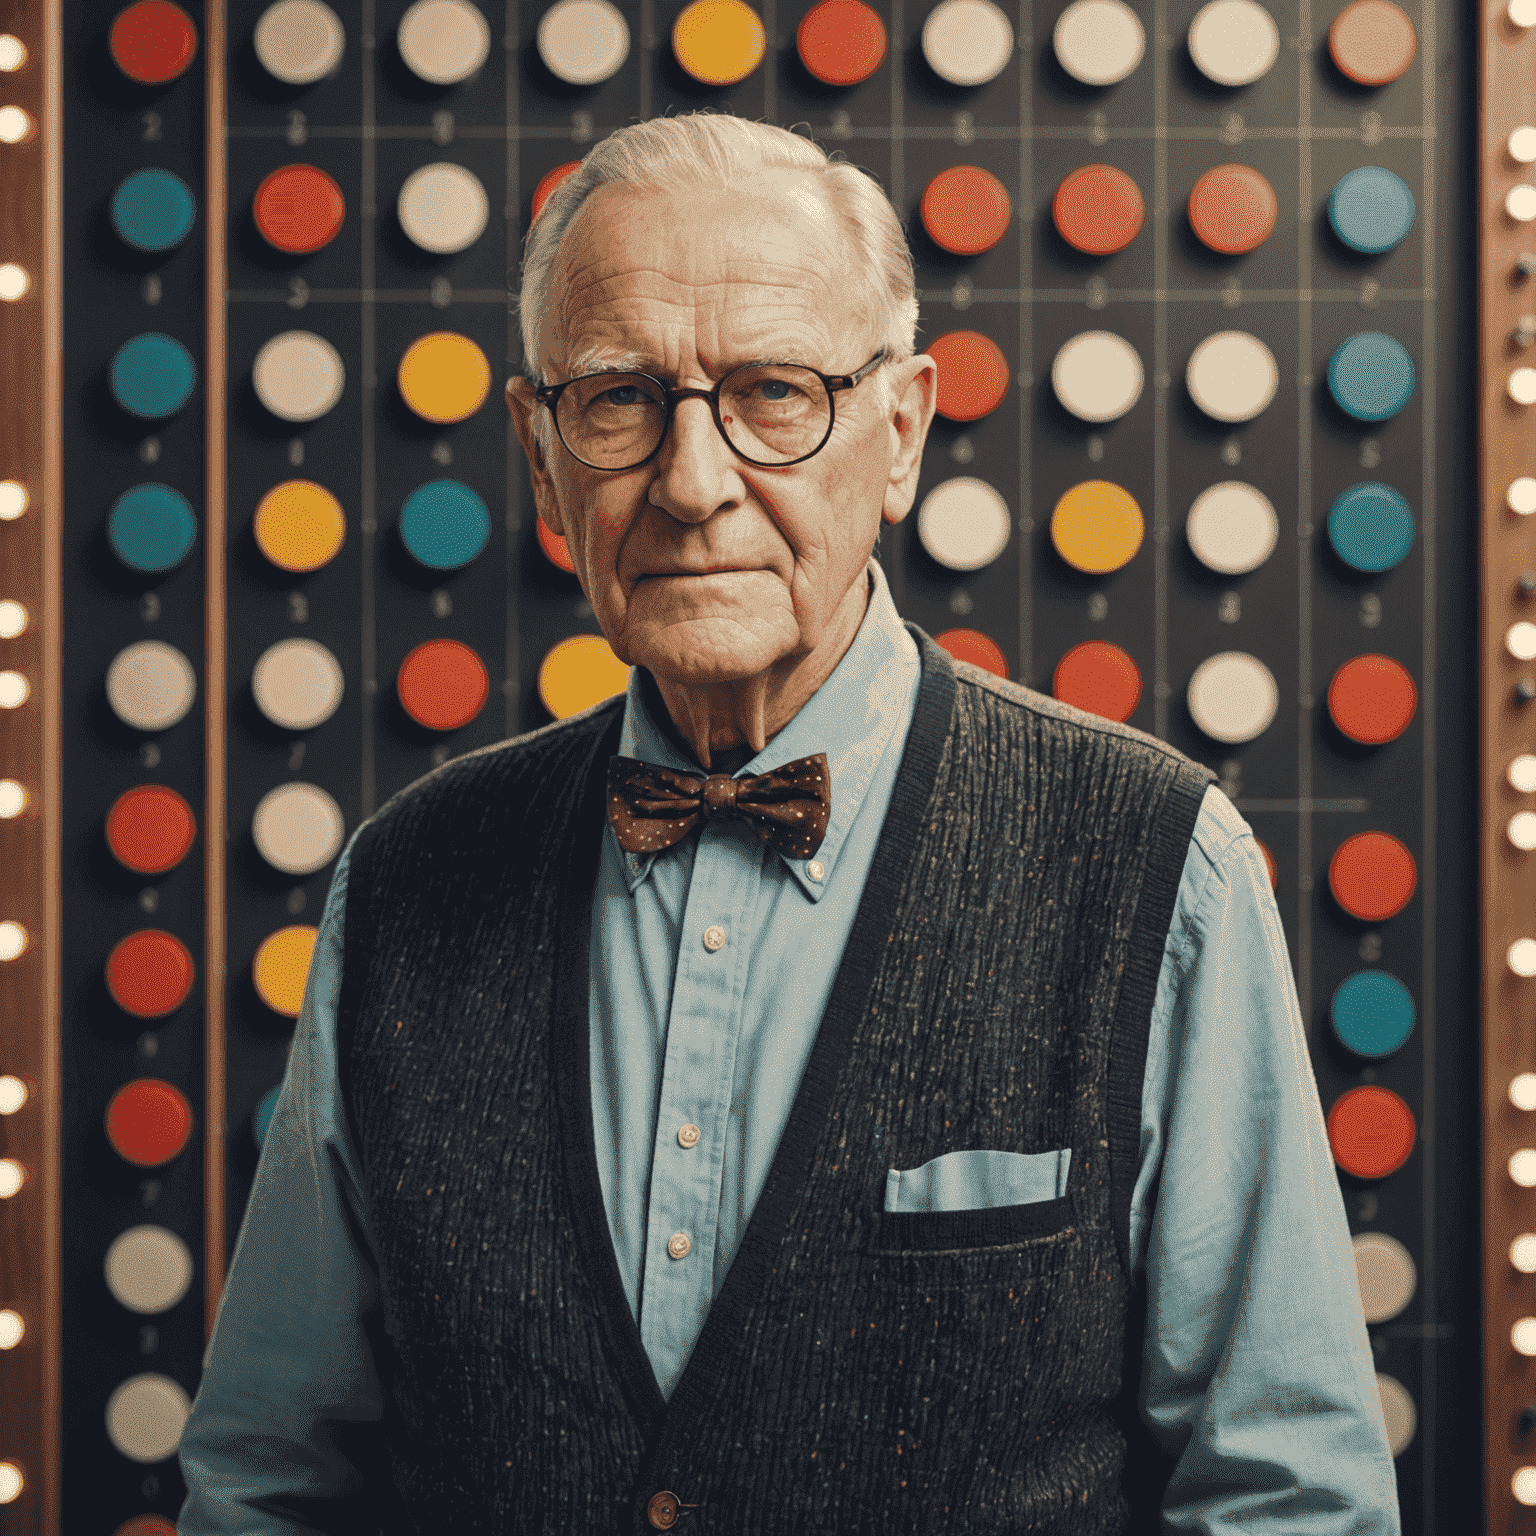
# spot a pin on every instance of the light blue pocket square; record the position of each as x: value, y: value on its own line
x: 973, y: 1181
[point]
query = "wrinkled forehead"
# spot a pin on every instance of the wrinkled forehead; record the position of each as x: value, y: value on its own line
x: 703, y: 276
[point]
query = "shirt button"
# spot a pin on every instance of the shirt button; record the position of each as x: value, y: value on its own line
x: 816, y: 869
x: 661, y: 1510
x: 687, y: 1135
x: 678, y: 1245
x: 714, y: 937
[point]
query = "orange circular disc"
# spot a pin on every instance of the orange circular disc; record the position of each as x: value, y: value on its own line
x: 547, y: 184
x: 149, y: 973
x: 1233, y: 209
x: 973, y: 646
x: 1372, y: 698
x: 1371, y: 1131
x: 1372, y: 876
x: 973, y: 374
x: 1100, y: 678
x: 149, y: 1121
x: 298, y: 209
x: 443, y: 684
x: 150, y: 829
x: 966, y: 210
x: 1098, y: 209
x: 280, y: 967
x: 554, y: 545
x: 1269, y: 864
x: 841, y: 42
x: 1372, y: 42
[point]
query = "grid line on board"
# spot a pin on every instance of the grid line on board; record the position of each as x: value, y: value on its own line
x: 1160, y: 379
x: 512, y: 206
x: 368, y: 495
x: 1026, y: 379
x: 1304, y: 702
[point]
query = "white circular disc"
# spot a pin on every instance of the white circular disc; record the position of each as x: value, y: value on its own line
x: 1522, y: 386
x: 1387, y: 1275
x: 583, y: 41
x: 1397, y: 1409
x: 1522, y: 12
x: 967, y: 42
x: 1520, y: 203
x: 1099, y: 42
x: 149, y: 1268
x: 299, y: 41
x: 1097, y: 375
x: 146, y: 1415
x: 1522, y: 830
x: 298, y: 828
x: 297, y: 684
x: 1522, y: 773
x: 1232, y: 376
x: 1232, y: 528
x: 443, y: 207
x: 151, y: 685
x: 964, y: 523
x: 444, y: 41
x: 1522, y: 145
x: 298, y: 375
x: 1521, y: 495
x: 1520, y: 639
x: 1233, y: 696
x: 1234, y: 42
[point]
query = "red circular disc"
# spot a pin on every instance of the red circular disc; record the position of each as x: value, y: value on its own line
x: 966, y: 210
x: 973, y: 374
x: 554, y: 545
x: 146, y: 1525
x: 547, y: 184
x: 1372, y: 698
x: 443, y: 684
x: 973, y: 646
x: 149, y: 973
x: 153, y: 41
x: 1233, y: 209
x: 150, y: 829
x: 1372, y: 42
x: 298, y: 208
x: 1100, y: 678
x: 841, y: 42
x: 1372, y: 875
x: 1098, y: 209
x: 1371, y: 1131
x: 1269, y: 864
x: 149, y: 1121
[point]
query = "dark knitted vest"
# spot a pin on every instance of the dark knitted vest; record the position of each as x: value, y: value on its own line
x: 858, y: 1372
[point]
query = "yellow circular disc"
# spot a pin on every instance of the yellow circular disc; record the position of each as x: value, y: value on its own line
x: 719, y: 42
x: 299, y: 525
x: 444, y: 376
x: 1097, y: 526
x: 578, y: 673
x: 281, y: 968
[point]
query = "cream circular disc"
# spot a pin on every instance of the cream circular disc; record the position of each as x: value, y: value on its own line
x: 967, y: 42
x: 298, y: 375
x: 1387, y: 1275
x: 1099, y: 42
x: 151, y: 685
x: 443, y: 207
x: 583, y: 41
x: 148, y: 1268
x: 964, y: 523
x: 1397, y: 1411
x: 1232, y: 376
x: 1233, y: 696
x: 297, y: 684
x: 299, y: 41
x: 146, y: 1415
x: 1233, y: 42
x: 443, y: 41
x: 298, y: 828
x: 1233, y: 528
x: 1097, y: 376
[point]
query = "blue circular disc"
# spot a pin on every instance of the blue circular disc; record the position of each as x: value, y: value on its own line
x: 444, y: 524
x: 1372, y: 1013
x: 1371, y: 527
x: 1371, y: 210
x: 153, y: 210
x: 152, y: 375
x: 261, y: 1117
x: 151, y: 527
x: 1371, y: 375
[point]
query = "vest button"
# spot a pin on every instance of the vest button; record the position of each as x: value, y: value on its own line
x: 661, y: 1510
x: 714, y: 937
x: 687, y: 1135
x: 678, y: 1245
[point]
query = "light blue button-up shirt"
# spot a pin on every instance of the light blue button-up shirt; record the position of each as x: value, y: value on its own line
x: 1257, y: 1370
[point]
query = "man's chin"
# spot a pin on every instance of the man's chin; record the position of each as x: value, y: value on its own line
x: 699, y: 652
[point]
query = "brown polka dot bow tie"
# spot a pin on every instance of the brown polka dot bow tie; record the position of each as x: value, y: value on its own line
x: 652, y: 808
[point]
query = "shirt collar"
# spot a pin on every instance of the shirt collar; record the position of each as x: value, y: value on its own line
x: 851, y: 718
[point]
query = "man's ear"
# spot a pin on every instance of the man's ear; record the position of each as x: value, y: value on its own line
x: 911, y: 416
x: 523, y: 406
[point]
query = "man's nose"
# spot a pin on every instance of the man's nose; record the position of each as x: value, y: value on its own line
x: 696, y: 470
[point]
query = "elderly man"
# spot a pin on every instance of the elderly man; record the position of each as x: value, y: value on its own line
x: 826, y: 1089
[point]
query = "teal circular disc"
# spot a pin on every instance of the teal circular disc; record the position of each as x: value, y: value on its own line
x: 151, y: 527
x: 1371, y: 376
x: 153, y: 210
x: 1371, y: 210
x: 152, y: 375
x: 1371, y: 527
x: 261, y: 1117
x: 1372, y: 1013
x: 444, y: 524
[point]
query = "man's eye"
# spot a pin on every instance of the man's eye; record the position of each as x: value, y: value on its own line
x: 623, y: 394
x: 776, y: 389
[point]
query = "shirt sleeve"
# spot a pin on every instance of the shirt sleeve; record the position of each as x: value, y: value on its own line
x: 281, y: 1431
x: 1257, y: 1370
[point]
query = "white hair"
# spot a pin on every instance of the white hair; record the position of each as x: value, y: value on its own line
x: 717, y: 150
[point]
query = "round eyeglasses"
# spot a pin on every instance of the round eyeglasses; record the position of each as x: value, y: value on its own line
x: 772, y: 414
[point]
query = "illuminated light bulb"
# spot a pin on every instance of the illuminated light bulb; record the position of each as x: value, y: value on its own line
x: 1522, y: 1091
x: 14, y: 281
x: 1522, y: 1253
x: 1524, y: 1484
x: 1520, y: 639
x: 11, y: 1329
x: 13, y: 52
x: 1522, y: 12
x: 13, y: 799
x: 1522, y: 830
x: 13, y: 939
x: 11, y: 1482
x: 14, y: 499
x: 1522, y: 1167
x: 1522, y: 773
x: 1521, y: 495
x: 13, y: 1094
x: 14, y: 689
x: 14, y: 125
x: 1522, y: 957
x: 1519, y: 202
x: 13, y: 618
x: 1522, y: 382
x: 1522, y: 145
x: 12, y: 1177
x: 1523, y: 1336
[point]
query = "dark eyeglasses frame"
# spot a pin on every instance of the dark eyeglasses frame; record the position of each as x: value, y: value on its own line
x: 549, y: 395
